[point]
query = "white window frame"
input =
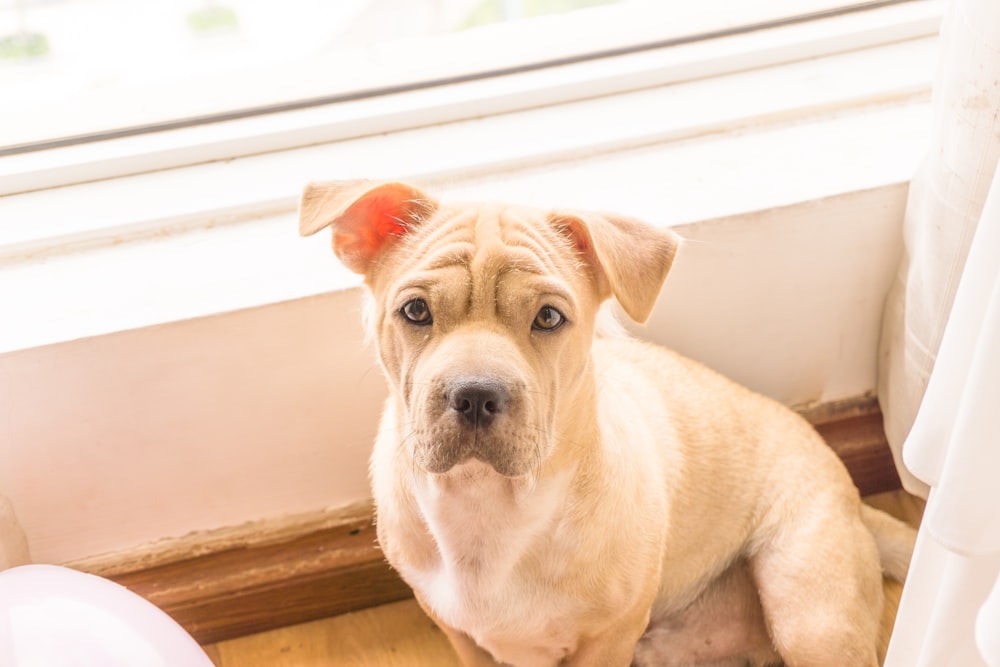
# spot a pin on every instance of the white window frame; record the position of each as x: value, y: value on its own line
x: 159, y: 206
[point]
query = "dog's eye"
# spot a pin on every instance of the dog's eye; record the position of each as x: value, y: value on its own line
x: 416, y: 311
x: 548, y: 319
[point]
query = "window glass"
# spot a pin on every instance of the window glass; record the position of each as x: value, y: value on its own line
x: 81, y: 70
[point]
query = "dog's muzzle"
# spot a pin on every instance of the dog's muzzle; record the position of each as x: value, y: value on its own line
x: 476, y: 417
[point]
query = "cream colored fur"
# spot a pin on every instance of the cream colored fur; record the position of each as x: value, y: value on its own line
x: 557, y: 497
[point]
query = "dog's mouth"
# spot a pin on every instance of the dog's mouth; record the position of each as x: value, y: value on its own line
x: 509, y: 457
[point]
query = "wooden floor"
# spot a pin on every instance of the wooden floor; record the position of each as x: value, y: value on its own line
x: 397, y: 634
x: 392, y: 635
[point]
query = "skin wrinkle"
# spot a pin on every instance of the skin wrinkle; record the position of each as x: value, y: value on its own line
x: 534, y: 240
x: 425, y: 238
x: 435, y: 237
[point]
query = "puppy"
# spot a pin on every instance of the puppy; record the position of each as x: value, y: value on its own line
x: 558, y: 497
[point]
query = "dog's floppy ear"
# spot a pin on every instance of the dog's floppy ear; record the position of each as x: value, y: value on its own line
x: 366, y: 217
x: 629, y: 259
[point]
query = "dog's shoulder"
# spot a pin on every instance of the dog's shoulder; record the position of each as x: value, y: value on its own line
x: 625, y: 355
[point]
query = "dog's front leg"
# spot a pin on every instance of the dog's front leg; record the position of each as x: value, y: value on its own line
x: 470, y: 654
x: 615, y: 645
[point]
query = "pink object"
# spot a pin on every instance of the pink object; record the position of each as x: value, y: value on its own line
x: 53, y: 616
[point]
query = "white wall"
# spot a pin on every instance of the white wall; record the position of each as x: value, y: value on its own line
x: 787, y: 301
x: 113, y: 441
x: 117, y: 440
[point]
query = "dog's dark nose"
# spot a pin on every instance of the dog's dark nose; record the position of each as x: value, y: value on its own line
x: 478, y: 401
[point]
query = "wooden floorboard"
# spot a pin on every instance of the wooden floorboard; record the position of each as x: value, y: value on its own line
x: 392, y: 635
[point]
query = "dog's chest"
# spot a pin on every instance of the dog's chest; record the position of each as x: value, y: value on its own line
x: 519, y: 622
x: 492, y: 580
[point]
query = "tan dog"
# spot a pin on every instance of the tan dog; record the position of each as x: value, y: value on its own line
x: 557, y: 497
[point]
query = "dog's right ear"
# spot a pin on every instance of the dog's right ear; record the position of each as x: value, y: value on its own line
x: 366, y: 217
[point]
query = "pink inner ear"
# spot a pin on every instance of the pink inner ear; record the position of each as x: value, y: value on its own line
x: 579, y: 233
x: 385, y: 216
x: 581, y: 238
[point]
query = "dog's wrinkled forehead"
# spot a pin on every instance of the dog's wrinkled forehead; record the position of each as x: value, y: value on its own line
x: 489, y: 240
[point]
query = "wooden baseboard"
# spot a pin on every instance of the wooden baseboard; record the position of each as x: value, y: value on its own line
x: 853, y: 429
x: 268, y: 574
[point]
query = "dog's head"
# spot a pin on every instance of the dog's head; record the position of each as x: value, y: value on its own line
x: 484, y: 314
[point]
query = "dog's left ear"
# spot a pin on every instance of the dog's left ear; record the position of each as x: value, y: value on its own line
x: 366, y: 217
x: 629, y: 259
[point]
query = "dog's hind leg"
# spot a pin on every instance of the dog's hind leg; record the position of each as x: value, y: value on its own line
x: 821, y: 589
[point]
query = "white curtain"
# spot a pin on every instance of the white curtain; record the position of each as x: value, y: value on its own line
x: 940, y: 353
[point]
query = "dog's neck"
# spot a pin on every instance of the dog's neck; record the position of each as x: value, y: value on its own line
x: 471, y: 510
